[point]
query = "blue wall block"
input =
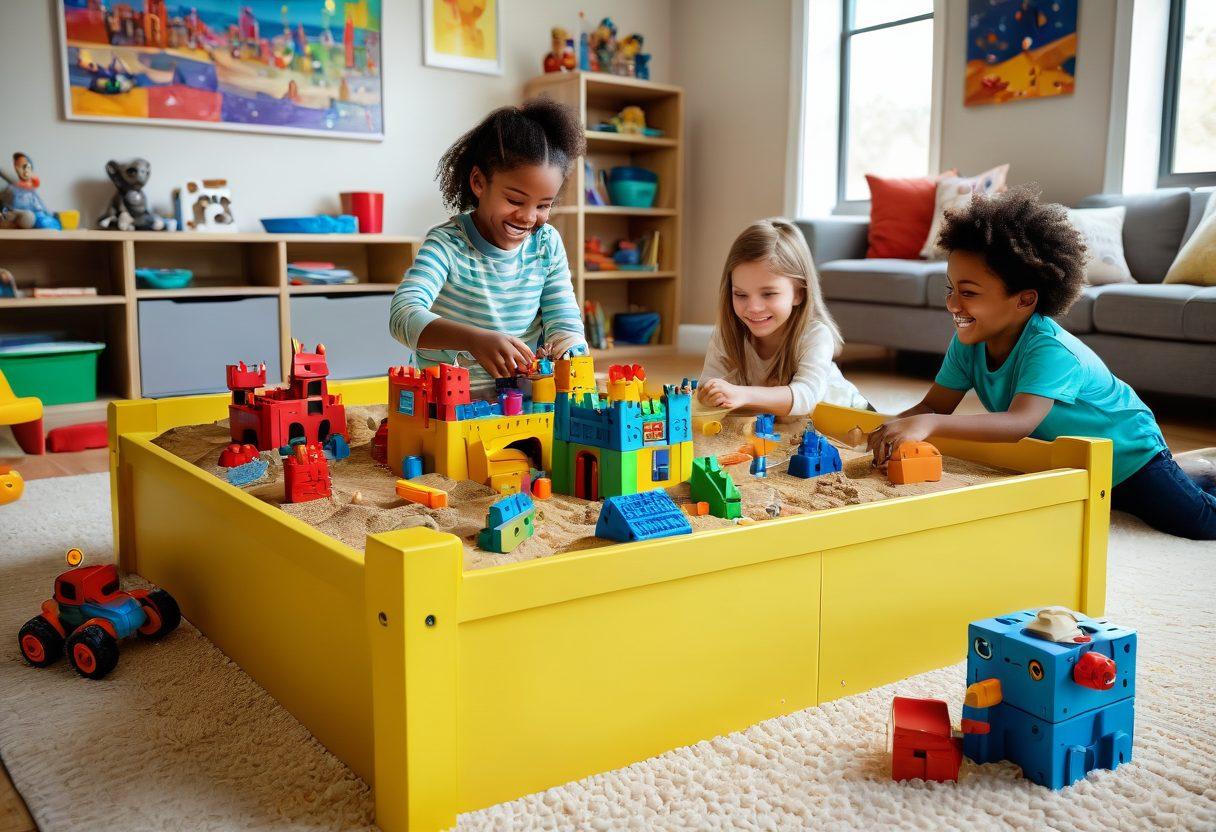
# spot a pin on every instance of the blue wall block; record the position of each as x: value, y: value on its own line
x: 642, y: 516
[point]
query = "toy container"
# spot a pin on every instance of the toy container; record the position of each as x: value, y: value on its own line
x: 57, y: 373
x: 320, y: 224
x: 633, y: 187
x: 164, y: 278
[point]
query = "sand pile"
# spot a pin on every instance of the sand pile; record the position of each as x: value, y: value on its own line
x: 565, y: 523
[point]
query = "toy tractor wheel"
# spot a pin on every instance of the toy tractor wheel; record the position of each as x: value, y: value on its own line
x: 163, y: 614
x: 92, y: 651
x: 41, y: 643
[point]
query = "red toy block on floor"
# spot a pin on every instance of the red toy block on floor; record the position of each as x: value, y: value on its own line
x: 922, y: 742
x: 72, y: 438
x: 306, y: 475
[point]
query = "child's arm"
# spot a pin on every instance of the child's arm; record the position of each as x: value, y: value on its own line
x: 412, y: 322
x: 714, y: 390
x: 560, y: 317
x: 939, y: 399
x: 1025, y: 412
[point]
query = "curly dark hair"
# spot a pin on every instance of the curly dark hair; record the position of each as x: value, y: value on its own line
x: 1027, y: 243
x: 539, y: 132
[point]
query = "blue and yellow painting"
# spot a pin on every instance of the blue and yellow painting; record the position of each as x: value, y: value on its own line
x: 270, y: 65
x: 1019, y: 49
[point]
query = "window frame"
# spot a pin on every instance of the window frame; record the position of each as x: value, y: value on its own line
x: 842, y: 122
x: 1166, y: 176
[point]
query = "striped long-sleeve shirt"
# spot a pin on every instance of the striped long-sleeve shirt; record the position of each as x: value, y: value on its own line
x: 460, y: 276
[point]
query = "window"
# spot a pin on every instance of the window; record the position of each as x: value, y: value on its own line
x: 1188, y: 123
x: 886, y: 92
x: 660, y: 465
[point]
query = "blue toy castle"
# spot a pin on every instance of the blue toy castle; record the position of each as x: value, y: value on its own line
x: 1057, y: 690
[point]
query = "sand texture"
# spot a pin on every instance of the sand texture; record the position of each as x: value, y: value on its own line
x: 564, y: 524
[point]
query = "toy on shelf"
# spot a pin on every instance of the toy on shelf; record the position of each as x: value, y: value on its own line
x: 24, y: 415
x: 914, y: 462
x: 20, y: 204
x: 89, y: 615
x: 631, y: 186
x: 709, y: 483
x: 631, y: 120
x: 561, y: 52
x: 320, y: 224
x: 164, y: 278
x: 367, y: 207
x: 236, y: 454
x: 761, y: 442
x: 12, y: 485
x: 128, y: 209
x: 921, y: 740
x: 413, y: 492
x: 644, y: 516
x: 8, y: 285
x: 304, y: 408
x: 636, y: 327
x: 622, y: 443
x: 204, y: 205
x: 509, y: 522
x: 595, y: 259
x: 599, y: 51
x: 815, y: 456
x: 306, y: 474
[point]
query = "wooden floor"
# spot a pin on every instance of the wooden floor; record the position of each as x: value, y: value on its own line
x: 1186, y: 425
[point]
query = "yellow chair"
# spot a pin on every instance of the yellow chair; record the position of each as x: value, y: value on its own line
x: 25, y: 416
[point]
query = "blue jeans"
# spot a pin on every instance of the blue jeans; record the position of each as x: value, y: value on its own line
x: 1162, y: 495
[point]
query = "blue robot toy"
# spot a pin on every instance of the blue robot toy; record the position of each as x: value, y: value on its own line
x: 1052, y: 691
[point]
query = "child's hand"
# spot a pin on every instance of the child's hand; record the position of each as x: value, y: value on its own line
x: 889, y: 436
x: 502, y: 355
x: 719, y: 393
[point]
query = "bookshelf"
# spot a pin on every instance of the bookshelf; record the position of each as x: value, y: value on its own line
x: 596, y: 97
x: 227, y: 267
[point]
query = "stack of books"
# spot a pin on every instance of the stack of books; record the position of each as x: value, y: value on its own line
x: 310, y: 273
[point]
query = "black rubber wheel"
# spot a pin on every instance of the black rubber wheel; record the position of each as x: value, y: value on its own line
x: 165, y: 608
x: 92, y: 651
x: 41, y: 643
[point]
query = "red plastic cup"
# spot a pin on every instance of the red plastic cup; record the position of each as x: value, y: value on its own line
x: 367, y: 207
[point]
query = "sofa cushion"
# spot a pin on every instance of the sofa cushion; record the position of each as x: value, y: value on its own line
x: 1153, y: 311
x: 1152, y: 230
x: 1078, y: 319
x: 1199, y: 316
x: 898, y: 282
x: 1200, y: 199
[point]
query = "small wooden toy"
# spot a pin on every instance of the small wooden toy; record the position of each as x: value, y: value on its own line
x: 914, y: 462
x: 88, y: 615
x: 204, y: 205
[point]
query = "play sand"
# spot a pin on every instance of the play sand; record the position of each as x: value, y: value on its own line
x: 365, y: 502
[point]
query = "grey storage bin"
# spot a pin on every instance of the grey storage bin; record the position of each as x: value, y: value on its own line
x: 185, y: 344
x: 354, y: 330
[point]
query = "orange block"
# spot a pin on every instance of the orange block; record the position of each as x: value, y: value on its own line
x: 697, y: 509
x: 914, y: 462
x: 422, y: 494
x: 542, y: 488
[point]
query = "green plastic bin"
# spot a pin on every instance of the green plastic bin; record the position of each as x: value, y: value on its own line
x: 58, y: 373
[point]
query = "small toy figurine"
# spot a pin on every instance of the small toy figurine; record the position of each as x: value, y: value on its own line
x: 20, y: 204
x: 815, y: 456
x: 128, y: 209
x: 603, y: 43
x: 631, y: 119
x: 761, y: 442
x: 204, y: 205
x: 12, y: 486
x: 557, y: 42
x: 8, y: 284
x: 89, y: 615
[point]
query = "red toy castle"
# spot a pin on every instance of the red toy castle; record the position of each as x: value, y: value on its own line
x: 272, y: 418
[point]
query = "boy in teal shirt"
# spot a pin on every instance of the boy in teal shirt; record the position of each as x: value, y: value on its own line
x: 1014, y: 263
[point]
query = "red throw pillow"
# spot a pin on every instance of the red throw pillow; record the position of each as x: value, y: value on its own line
x: 901, y: 211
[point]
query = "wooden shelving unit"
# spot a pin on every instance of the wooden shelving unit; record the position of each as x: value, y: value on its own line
x: 597, y: 97
x: 225, y: 266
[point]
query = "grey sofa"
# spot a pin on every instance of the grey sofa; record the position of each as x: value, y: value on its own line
x: 1157, y: 337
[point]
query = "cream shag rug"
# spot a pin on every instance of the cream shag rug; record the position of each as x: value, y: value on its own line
x: 179, y: 738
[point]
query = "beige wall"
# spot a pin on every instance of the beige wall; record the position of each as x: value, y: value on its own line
x: 426, y: 109
x: 733, y: 60
x: 1059, y: 143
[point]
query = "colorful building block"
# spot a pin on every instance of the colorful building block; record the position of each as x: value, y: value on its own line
x: 414, y: 492
x: 1051, y: 690
x: 762, y: 441
x: 235, y: 455
x: 411, y: 467
x: 815, y: 456
x: 644, y: 516
x: 509, y: 522
x: 914, y: 462
x: 711, y: 484
x: 306, y: 474
x: 922, y: 742
x: 272, y: 418
x: 70, y: 438
x: 336, y: 447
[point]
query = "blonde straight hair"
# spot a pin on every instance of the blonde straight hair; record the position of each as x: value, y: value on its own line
x: 779, y: 245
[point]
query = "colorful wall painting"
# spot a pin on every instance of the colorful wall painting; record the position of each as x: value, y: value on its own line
x: 1020, y: 49
x: 462, y: 34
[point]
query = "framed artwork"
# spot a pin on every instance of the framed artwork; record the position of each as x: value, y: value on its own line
x: 1020, y: 49
x: 307, y: 67
x: 462, y: 34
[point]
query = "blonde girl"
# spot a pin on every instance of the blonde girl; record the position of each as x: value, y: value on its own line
x: 773, y: 346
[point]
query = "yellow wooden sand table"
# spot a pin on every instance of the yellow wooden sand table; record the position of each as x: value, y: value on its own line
x: 450, y: 690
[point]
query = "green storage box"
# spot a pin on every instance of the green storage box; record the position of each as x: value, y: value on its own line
x: 58, y: 373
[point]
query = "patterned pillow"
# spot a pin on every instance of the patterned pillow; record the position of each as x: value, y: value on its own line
x: 1102, y: 230
x: 955, y: 192
x: 1196, y: 262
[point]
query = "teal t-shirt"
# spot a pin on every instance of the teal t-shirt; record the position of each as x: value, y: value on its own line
x: 1089, y: 400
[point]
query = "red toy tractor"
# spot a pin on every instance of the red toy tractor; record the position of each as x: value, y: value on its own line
x: 89, y: 615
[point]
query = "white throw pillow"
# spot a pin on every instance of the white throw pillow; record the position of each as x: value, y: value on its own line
x: 955, y: 192
x: 1196, y: 262
x: 1102, y: 231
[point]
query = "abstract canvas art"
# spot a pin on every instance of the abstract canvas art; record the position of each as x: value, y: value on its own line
x: 462, y: 34
x: 283, y: 66
x: 1020, y: 49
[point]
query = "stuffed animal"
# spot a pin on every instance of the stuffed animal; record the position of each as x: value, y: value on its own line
x: 128, y: 209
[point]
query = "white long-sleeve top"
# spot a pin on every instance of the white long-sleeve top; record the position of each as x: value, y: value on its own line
x: 817, y: 378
